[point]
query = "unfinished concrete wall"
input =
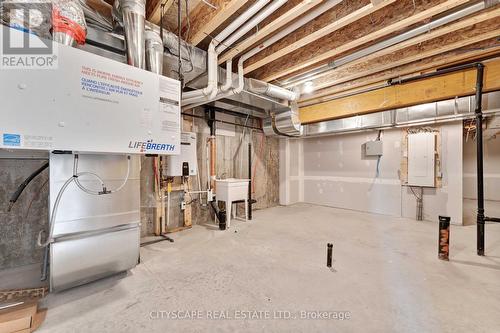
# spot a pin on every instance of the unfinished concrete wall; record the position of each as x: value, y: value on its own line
x: 19, y: 228
x: 232, y: 162
x: 336, y: 173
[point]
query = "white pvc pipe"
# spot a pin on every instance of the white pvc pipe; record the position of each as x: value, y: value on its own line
x: 229, y: 76
x: 241, y: 19
x: 249, y: 25
x: 285, y: 93
x: 211, y: 89
x: 211, y: 92
x: 311, y: 15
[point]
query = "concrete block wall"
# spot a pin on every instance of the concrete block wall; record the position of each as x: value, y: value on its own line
x: 332, y: 171
x: 19, y: 228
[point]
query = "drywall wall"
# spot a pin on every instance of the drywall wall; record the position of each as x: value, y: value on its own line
x: 291, y: 171
x: 491, y: 165
x: 333, y: 171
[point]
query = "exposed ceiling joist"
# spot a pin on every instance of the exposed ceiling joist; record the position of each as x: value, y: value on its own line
x: 205, y: 19
x: 402, y: 24
x: 155, y: 13
x: 485, y: 16
x: 268, y: 29
x: 317, y: 34
x: 424, y: 91
x: 415, y: 68
x: 432, y: 47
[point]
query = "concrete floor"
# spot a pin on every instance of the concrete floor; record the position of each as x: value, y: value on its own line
x: 387, y: 276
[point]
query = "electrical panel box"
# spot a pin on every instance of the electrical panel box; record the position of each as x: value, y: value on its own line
x: 374, y: 148
x: 187, y: 155
x: 89, y: 104
x: 421, y: 159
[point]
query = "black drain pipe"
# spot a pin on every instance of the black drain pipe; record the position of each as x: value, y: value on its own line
x: 479, y: 159
x: 478, y: 110
x: 481, y: 219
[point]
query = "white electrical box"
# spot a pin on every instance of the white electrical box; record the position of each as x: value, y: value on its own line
x: 421, y: 159
x: 374, y: 148
x: 187, y: 155
x: 89, y: 104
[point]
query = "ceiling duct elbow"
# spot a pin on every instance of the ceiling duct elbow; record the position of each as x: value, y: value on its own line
x: 285, y: 123
x: 263, y: 88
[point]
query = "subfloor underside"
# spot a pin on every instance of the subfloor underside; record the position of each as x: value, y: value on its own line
x: 386, y: 277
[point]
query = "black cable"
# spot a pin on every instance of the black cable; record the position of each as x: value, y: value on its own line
x: 23, y: 185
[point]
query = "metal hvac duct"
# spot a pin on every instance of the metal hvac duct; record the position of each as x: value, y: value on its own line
x: 285, y: 123
x: 154, y: 52
x: 133, y: 14
x: 417, y: 115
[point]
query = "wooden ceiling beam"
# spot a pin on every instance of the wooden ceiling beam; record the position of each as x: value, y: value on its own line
x: 205, y: 19
x: 451, y: 28
x: 418, y: 51
x: 402, y: 24
x: 155, y: 10
x: 268, y: 29
x: 433, y: 89
x: 317, y: 34
x: 411, y: 69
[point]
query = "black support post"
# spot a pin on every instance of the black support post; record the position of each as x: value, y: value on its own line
x: 479, y: 155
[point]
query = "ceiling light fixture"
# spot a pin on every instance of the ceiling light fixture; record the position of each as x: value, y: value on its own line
x: 308, y: 87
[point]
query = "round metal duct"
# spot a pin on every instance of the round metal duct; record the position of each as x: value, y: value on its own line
x: 286, y: 123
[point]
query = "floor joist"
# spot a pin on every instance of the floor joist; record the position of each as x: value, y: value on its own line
x: 268, y: 29
x: 155, y: 15
x: 484, y: 49
x: 426, y: 14
x: 315, y: 35
x: 327, y: 79
x: 205, y: 19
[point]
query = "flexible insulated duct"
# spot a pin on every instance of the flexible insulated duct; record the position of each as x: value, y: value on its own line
x: 68, y: 23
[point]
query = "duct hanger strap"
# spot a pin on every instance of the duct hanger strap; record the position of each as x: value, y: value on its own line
x: 65, y: 25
